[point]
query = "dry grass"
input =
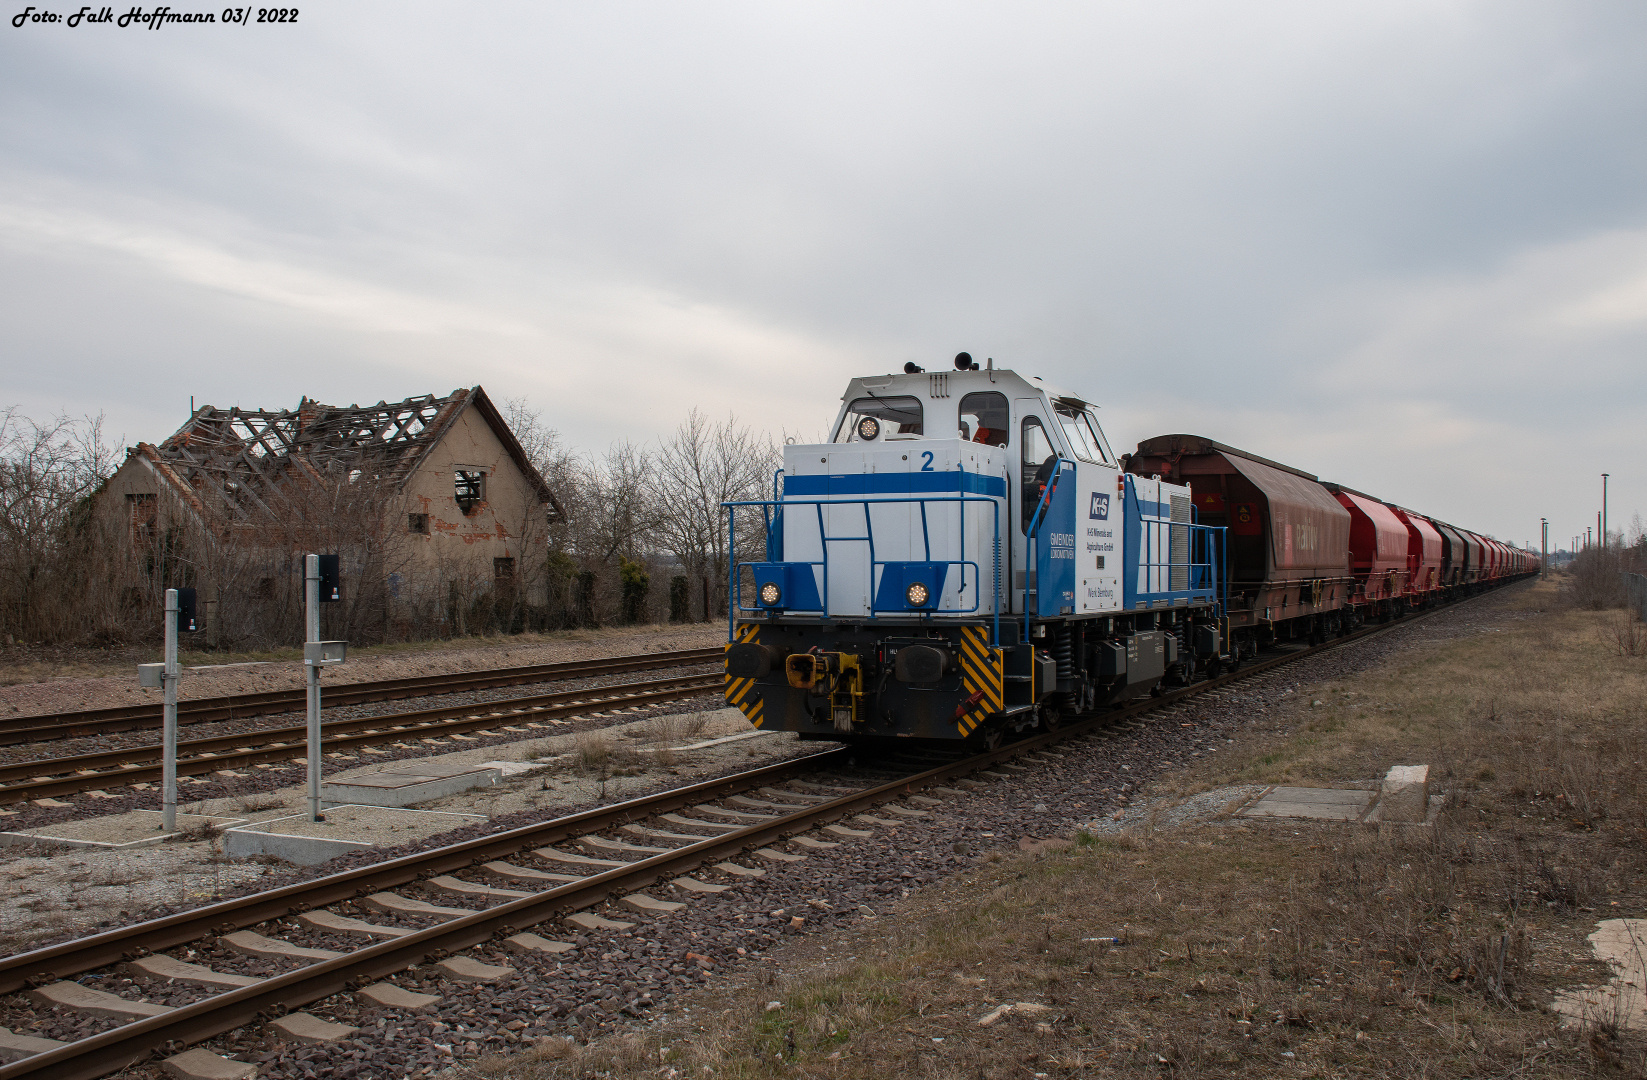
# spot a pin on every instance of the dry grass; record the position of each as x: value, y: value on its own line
x: 1258, y: 948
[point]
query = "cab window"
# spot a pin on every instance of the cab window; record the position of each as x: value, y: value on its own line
x: 1079, y: 432
x: 877, y: 417
x: 1039, y: 460
x: 985, y: 418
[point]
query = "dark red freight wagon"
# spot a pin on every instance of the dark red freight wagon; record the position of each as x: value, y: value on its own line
x: 1288, y: 550
x: 1378, y: 551
x: 1423, y: 553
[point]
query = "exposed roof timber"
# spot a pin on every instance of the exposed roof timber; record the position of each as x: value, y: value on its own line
x: 239, y: 456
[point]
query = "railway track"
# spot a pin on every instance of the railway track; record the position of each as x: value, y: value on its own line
x: 68, y: 725
x: 545, y: 876
x: 48, y: 778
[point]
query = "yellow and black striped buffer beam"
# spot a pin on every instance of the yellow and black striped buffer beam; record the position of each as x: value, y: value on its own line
x: 983, y: 679
x: 741, y: 692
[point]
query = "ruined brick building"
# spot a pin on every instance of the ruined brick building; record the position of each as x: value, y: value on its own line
x: 431, y: 502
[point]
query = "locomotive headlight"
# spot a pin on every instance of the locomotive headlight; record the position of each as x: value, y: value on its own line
x: 917, y: 595
x: 770, y: 594
x: 868, y: 428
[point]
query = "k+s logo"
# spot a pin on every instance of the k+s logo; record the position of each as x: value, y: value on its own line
x: 1100, y: 506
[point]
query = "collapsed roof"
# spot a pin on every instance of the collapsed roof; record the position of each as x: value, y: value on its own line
x: 249, y: 466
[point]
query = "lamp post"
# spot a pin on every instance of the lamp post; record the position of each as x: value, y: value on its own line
x: 1543, y: 546
x: 1604, y: 510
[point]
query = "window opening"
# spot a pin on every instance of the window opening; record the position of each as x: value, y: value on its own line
x: 468, y: 489
x: 900, y: 415
x: 145, y: 518
x: 985, y: 418
x: 1039, y: 459
x: 418, y: 523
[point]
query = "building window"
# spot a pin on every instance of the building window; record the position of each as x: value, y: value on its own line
x: 468, y: 488
x: 418, y: 523
x: 145, y: 518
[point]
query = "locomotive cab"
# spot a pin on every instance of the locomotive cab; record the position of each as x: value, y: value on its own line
x: 965, y: 555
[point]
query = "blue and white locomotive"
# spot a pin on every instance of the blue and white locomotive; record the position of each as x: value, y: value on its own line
x: 964, y: 558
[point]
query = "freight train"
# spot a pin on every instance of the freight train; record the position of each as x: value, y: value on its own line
x: 967, y: 558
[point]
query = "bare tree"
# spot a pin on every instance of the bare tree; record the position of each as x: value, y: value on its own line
x: 699, y: 467
x: 47, y: 472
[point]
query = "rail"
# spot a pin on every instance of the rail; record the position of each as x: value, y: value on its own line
x: 47, y: 726
x: 133, y: 1042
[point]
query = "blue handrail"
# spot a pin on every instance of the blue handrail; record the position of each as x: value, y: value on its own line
x: 734, y: 567
x: 1032, y: 540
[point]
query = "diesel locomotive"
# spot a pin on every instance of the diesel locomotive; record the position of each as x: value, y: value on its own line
x: 967, y: 557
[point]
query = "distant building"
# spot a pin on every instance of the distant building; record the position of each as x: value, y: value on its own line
x: 431, y: 501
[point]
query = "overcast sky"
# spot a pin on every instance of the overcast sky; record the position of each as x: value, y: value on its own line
x: 1401, y: 245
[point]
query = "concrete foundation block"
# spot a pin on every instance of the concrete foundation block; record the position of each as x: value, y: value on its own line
x: 404, y: 787
x: 1405, y: 795
x: 198, y: 1064
x: 309, y: 1029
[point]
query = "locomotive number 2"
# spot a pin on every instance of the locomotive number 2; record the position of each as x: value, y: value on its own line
x: 926, y: 455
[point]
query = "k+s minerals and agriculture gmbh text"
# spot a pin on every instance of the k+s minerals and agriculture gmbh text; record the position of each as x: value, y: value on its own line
x: 155, y: 18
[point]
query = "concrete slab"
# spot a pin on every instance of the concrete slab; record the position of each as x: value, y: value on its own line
x: 296, y: 839
x: 198, y: 1064
x: 14, y: 1047
x: 1405, y: 794
x: 138, y: 828
x: 1311, y: 804
x: 408, y: 784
